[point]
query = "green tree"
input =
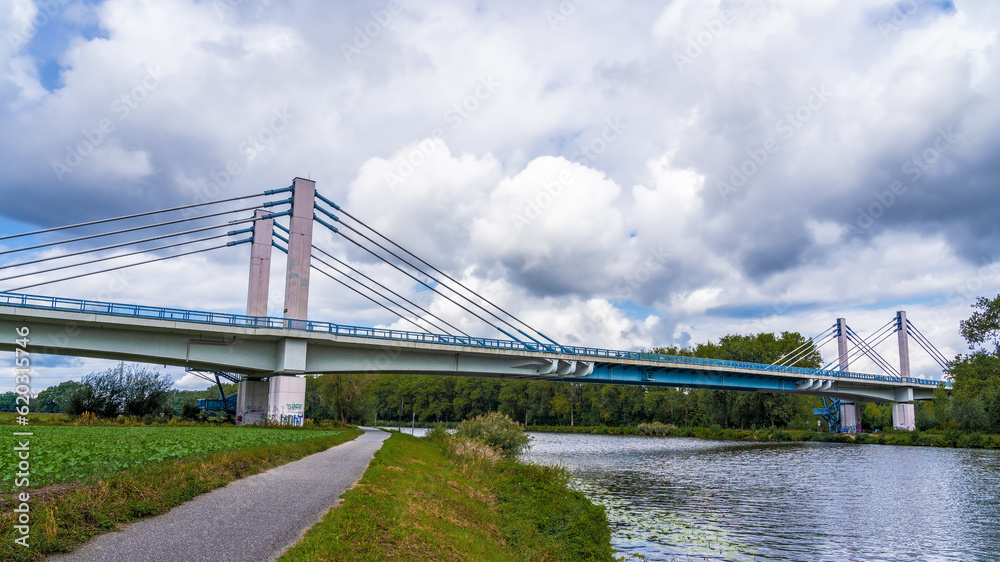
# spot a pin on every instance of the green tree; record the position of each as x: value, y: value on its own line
x: 745, y: 409
x: 8, y: 402
x: 976, y: 376
x: 55, y: 399
x: 983, y: 327
x: 130, y: 389
x: 339, y: 396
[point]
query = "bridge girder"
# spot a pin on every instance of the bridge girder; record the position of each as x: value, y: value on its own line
x: 263, y: 352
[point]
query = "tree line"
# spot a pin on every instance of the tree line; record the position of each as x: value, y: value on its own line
x: 973, y: 404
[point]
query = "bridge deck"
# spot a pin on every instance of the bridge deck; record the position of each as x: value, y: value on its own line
x: 339, y: 348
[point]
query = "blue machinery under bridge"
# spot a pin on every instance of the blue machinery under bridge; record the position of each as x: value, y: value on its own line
x: 264, y: 353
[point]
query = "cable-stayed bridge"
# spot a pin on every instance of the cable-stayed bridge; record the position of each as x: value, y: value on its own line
x: 268, y: 352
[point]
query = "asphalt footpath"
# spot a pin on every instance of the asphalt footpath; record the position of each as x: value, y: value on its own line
x: 256, y: 518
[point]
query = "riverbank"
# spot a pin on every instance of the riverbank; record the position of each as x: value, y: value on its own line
x: 950, y: 438
x: 442, y: 499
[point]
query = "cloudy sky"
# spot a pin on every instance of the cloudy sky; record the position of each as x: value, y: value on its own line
x: 620, y: 175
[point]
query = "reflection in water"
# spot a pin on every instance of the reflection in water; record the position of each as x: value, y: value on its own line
x: 688, y: 499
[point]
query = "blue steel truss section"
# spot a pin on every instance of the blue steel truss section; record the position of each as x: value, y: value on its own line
x: 586, y: 353
x: 830, y: 413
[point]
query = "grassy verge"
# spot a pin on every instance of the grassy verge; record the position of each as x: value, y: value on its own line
x: 949, y: 438
x: 66, y: 515
x: 423, y: 500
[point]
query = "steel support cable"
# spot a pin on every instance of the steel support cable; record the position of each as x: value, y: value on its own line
x: 394, y: 303
x: 106, y: 258
x: 870, y: 352
x: 411, y: 276
x: 123, y: 231
x: 936, y: 353
x: 921, y: 339
x: 856, y: 351
x: 805, y: 345
x: 929, y: 352
x: 793, y: 352
x: 866, y: 343
x: 394, y: 313
x: 801, y: 352
x: 459, y: 283
x: 101, y: 221
x: 429, y: 313
x: 122, y: 244
x: 117, y: 268
x: 429, y: 276
x: 806, y: 351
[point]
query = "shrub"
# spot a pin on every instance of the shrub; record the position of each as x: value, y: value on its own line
x: 497, y: 431
x: 437, y: 433
x: 190, y: 411
x: 657, y: 428
x: 470, y: 452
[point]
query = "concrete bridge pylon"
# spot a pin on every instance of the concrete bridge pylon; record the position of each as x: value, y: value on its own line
x: 282, y: 397
x: 850, y: 412
x: 903, y: 416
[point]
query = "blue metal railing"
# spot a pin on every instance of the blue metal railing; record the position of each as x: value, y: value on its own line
x: 224, y: 319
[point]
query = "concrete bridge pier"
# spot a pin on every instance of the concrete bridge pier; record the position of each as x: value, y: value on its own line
x: 850, y: 417
x: 282, y: 397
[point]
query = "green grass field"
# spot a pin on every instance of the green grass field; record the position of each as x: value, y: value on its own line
x: 87, y: 480
x: 61, y: 454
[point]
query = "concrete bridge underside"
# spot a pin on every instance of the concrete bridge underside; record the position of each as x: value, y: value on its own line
x: 266, y: 352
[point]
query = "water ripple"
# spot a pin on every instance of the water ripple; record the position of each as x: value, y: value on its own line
x: 688, y: 499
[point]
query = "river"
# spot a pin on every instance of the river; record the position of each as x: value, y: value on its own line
x: 690, y: 499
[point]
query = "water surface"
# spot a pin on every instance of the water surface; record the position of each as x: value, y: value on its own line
x: 691, y: 499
